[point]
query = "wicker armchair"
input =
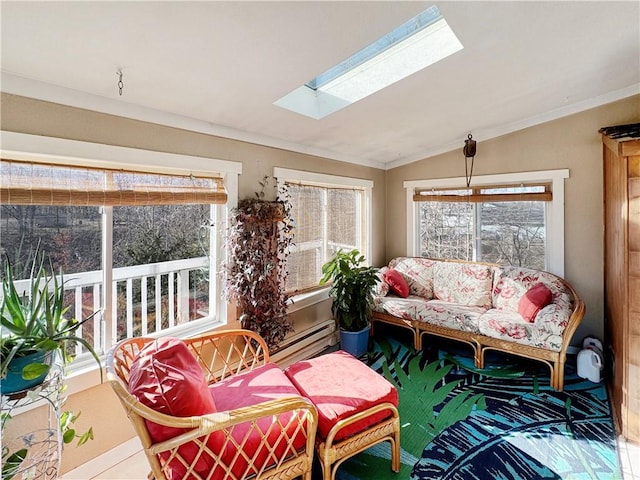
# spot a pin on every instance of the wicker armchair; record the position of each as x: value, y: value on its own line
x: 272, y: 439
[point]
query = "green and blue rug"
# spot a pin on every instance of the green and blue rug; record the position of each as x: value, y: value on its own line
x: 504, y: 422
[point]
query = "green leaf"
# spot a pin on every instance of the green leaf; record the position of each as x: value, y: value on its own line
x: 85, y: 437
x: 11, y: 464
x: 34, y: 370
x: 69, y: 435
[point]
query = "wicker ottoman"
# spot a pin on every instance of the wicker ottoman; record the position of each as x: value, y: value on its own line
x: 356, y: 408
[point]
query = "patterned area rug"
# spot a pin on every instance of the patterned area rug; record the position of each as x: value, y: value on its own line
x: 504, y: 422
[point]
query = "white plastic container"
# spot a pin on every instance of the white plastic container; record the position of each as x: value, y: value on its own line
x: 590, y: 360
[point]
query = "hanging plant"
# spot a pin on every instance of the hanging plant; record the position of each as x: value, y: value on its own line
x: 258, y: 241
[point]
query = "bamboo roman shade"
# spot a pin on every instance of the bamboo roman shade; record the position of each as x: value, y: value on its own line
x: 25, y: 183
x: 539, y: 192
x: 327, y: 218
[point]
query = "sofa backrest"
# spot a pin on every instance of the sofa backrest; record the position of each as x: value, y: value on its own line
x: 469, y: 283
x: 417, y: 272
x: 463, y: 283
x: 510, y: 283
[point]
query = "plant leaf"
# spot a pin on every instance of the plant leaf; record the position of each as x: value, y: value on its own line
x: 34, y: 370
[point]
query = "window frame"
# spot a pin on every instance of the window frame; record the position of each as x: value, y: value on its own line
x: 554, y: 209
x: 83, y: 373
x: 284, y: 175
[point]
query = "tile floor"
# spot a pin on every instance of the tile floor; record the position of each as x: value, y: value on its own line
x: 629, y: 459
x: 135, y: 467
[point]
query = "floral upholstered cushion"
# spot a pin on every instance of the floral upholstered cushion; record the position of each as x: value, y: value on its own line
x: 435, y: 312
x: 463, y: 283
x: 381, y: 288
x: 404, y: 308
x: 450, y: 315
x: 512, y: 327
x: 418, y: 273
x: 511, y: 283
x: 553, y: 318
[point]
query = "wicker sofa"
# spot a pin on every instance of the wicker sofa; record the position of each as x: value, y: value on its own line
x: 483, y: 305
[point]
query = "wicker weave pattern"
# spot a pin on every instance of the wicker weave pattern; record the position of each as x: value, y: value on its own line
x: 332, y: 454
x: 223, y: 355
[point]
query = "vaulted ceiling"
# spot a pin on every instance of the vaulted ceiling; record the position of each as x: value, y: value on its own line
x: 217, y: 67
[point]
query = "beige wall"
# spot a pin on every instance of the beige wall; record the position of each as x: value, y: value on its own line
x: 571, y: 142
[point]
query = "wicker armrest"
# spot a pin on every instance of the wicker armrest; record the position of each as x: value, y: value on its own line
x: 201, y: 427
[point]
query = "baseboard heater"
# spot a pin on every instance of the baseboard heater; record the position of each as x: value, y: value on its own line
x: 305, y: 344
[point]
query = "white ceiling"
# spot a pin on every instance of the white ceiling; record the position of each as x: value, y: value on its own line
x: 217, y: 67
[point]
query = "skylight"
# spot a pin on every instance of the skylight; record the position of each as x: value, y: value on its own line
x: 421, y: 41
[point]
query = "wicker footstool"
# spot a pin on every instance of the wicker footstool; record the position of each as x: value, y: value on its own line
x: 356, y: 408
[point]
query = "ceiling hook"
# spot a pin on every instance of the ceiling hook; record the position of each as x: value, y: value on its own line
x: 120, y: 84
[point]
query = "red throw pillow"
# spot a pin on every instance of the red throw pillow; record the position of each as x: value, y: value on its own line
x: 166, y: 377
x: 396, y: 282
x: 534, y: 300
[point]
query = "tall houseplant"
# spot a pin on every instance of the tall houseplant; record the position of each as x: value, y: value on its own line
x: 258, y: 242
x: 352, y: 286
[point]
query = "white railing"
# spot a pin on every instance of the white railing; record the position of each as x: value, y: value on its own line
x: 157, y: 291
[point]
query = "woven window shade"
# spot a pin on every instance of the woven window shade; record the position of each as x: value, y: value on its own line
x: 24, y: 183
x: 539, y: 192
x: 326, y: 218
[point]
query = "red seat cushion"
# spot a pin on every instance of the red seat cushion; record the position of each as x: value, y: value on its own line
x: 264, y: 383
x: 166, y: 377
x: 534, y: 300
x: 340, y: 385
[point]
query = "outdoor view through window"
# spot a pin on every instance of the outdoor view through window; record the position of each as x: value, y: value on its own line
x: 511, y: 233
x: 160, y: 261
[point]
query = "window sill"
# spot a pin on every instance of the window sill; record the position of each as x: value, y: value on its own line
x: 305, y: 300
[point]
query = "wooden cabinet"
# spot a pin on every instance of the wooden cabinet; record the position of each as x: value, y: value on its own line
x: 621, y: 152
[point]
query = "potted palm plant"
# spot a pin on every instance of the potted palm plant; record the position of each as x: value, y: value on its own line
x: 352, y: 286
x: 35, y: 328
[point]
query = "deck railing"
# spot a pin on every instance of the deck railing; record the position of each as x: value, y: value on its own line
x: 145, y: 299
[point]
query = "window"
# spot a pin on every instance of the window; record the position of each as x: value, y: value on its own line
x: 161, y: 263
x: 140, y: 245
x: 329, y: 213
x: 419, y: 42
x: 493, y: 221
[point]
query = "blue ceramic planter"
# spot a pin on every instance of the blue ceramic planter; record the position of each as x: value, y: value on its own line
x: 14, y: 382
x: 355, y: 343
